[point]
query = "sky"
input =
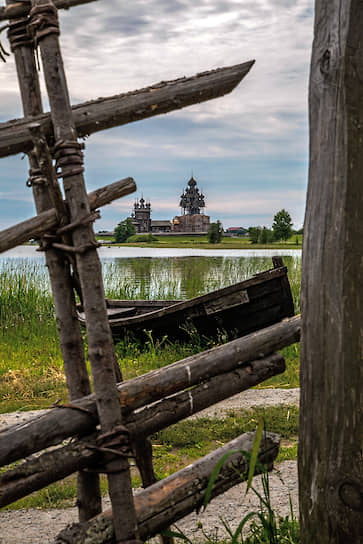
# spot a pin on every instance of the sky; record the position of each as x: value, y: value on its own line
x: 248, y: 150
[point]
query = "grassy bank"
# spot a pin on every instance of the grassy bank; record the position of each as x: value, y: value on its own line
x: 201, y: 242
x: 31, y: 369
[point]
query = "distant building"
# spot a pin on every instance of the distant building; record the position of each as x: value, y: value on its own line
x: 141, y: 216
x: 236, y: 231
x: 160, y: 226
x: 193, y: 219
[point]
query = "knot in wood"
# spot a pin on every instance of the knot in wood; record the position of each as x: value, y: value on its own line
x: 19, y: 34
x: 351, y: 495
x: 43, y: 21
x: 325, y: 62
x: 69, y: 158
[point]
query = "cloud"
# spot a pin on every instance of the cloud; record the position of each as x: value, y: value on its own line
x: 257, y: 134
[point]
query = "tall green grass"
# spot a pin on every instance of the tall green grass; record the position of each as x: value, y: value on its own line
x: 31, y: 367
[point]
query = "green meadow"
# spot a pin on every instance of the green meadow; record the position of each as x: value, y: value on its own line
x: 31, y: 371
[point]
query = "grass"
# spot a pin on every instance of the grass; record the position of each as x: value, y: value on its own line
x: 201, y: 242
x: 31, y: 369
x: 182, y: 444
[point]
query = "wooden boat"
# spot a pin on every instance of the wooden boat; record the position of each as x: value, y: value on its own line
x: 236, y: 310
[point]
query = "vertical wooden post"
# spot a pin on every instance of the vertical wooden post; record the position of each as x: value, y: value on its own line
x: 89, y: 493
x: 331, y: 415
x: 101, y: 351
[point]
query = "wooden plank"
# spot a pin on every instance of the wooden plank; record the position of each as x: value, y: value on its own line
x: 331, y: 414
x: 56, y: 425
x: 103, y: 113
x: 176, y: 496
x: 47, y: 220
x: 19, y: 9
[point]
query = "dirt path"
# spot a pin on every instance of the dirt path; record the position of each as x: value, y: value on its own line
x: 41, y: 526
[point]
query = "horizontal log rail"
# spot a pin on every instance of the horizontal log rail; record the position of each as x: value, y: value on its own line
x: 97, y: 115
x: 34, y: 227
x: 20, y: 9
x: 51, y: 428
x: 55, y: 465
x: 173, y: 498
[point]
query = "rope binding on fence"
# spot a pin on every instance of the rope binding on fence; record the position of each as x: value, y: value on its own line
x: 69, y: 158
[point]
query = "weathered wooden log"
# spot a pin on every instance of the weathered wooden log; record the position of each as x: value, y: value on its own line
x: 162, y: 97
x: 49, y: 467
x: 51, y: 428
x: 47, y: 196
x: 101, y: 351
x: 21, y: 9
x: 331, y: 413
x: 34, y: 227
x: 174, y: 497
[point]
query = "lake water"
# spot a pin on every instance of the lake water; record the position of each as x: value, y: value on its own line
x: 165, y: 273
x: 136, y: 252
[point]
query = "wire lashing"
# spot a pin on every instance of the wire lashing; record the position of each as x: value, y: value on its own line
x: 36, y: 177
x: 112, y: 445
x: 43, y: 21
x: 19, y: 35
x: 69, y: 158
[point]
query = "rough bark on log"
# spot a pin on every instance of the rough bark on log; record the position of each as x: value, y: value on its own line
x: 49, y: 467
x: 162, y: 97
x: 18, y: 9
x: 331, y: 413
x: 49, y: 196
x: 34, y: 227
x: 51, y: 428
x: 174, y: 497
x: 100, y: 345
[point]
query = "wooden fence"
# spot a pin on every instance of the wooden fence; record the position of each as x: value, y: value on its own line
x: 114, y: 423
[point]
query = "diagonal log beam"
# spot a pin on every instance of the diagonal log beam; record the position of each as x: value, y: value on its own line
x: 173, y: 498
x: 34, y: 227
x: 40, y: 471
x: 103, y: 113
x: 18, y: 9
x: 56, y: 425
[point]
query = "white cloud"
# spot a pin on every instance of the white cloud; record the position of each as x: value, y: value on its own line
x: 111, y: 47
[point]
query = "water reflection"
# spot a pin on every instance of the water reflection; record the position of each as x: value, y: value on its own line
x: 158, y: 277
x: 183, y: 277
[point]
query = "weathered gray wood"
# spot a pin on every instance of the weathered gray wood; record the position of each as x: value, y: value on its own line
x: 48, y: 196
x: 100, y: 346
x: 162, y: 97
x: 18, y: 9
x: 143, y: 451
x: 176, y: 496
x: 49, y: 467
x: 331, y: 414
x: 47, y: 220
x: 51, y: 428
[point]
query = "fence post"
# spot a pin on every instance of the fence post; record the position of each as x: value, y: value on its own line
x: 101, y: 352
x: 89, y: 493
x: 331, y: 415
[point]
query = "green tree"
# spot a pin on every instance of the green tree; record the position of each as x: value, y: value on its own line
x: 282, y: 225
x: 215, y: 232
x: 266, y: 236
x: 124, y: 230
x: 254, y: 234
